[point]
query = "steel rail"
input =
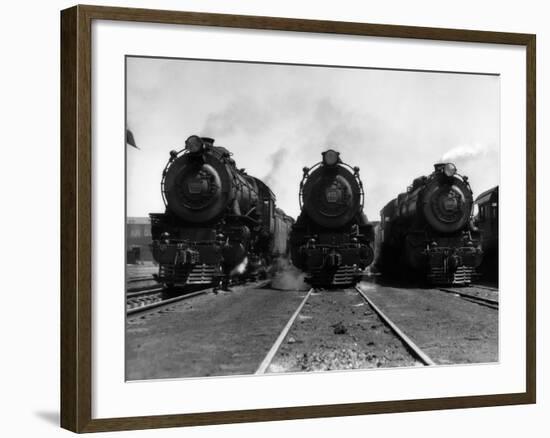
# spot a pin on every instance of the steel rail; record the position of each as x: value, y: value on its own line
x: 424, y: 358
x: 493, y: 304
x: 481, y: 286
x: 138, y: 279
x: 144, y: 292
x: 277, y: 344
x: 161, y: 303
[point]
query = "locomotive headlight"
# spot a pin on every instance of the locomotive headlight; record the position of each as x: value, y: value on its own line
x: 194, y: 144
x: 330, y: 157
x: 450, y: 169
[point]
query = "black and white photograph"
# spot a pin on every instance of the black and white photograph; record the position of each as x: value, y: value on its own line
x: 288, y: 218
x: 275, y: 219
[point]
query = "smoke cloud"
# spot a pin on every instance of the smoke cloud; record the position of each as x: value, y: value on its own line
x: 276, y: 119
x: 276, y: 160
x: 287, y: 131
x: 287, y: 276
x: 243, y: 114
x: 240, y: 268
x: 463, y: 153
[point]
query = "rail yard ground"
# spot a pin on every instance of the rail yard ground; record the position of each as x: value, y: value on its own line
x: 338, y: 330
x: 208, y: 335
x: 371, y: 326
x: 446, y: 326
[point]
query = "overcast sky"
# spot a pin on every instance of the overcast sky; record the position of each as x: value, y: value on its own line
x: 276, y: 119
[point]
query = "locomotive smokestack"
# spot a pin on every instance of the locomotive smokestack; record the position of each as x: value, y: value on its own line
x: 448, y: 168
x: 331, y: 157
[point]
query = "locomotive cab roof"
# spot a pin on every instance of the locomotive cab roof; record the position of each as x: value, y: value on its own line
x: 490, y: 195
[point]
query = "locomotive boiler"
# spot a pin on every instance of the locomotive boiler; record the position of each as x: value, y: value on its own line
x: 331, y: 240
x: 219, y: 221
x: 428, y: 232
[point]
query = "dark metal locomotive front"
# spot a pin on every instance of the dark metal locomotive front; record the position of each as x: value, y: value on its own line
x: 428, y: 230
x: 331, y: 240
x: 219, y: 221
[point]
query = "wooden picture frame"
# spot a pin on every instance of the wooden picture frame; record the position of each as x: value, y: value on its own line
x: 76, y: 217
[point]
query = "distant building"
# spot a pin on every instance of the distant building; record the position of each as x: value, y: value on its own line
x: 138, y: 240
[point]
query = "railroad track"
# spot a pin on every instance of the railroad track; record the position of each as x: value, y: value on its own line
x: 136, y: 284
x: 264, y: 365
x: 487, y: 302
x: 143, y: 298
x: 139, y: 279
x: 144, y: 292
x: 151, y: 299
x: 413, y: 349
x: 481, y: 286
x: 143, y: 301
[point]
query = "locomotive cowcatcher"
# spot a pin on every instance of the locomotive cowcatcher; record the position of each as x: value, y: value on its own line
x: 219, y: 221
x: 331, y: 240
x: 428, y: 232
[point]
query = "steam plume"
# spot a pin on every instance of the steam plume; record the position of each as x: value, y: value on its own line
x: 287, y: 276
x: 463, y: 153
x: 276, y: 160
x: 240, y: 268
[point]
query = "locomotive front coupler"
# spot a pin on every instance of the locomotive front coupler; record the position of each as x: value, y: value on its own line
x: 310, y: 244
x: 311, y: 241
x: 333, y: 259
x: 467, y: 238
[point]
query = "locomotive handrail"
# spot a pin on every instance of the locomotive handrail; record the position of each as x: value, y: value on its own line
x: 304, y: 179
x: 359, y: 183
x: 250, y: 211
x: 173, y: 156
x: 249, y: 219
x: 411, y: 188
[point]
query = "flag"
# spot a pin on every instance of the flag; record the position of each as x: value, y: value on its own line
x: 130, y: 139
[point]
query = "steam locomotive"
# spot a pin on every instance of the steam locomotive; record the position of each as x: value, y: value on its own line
x: 331, y: 240
x: 428, y: 233
x: 219, y: 221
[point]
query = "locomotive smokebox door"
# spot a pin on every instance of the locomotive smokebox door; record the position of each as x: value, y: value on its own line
x: 331, y: 196
x: 197, y: 190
